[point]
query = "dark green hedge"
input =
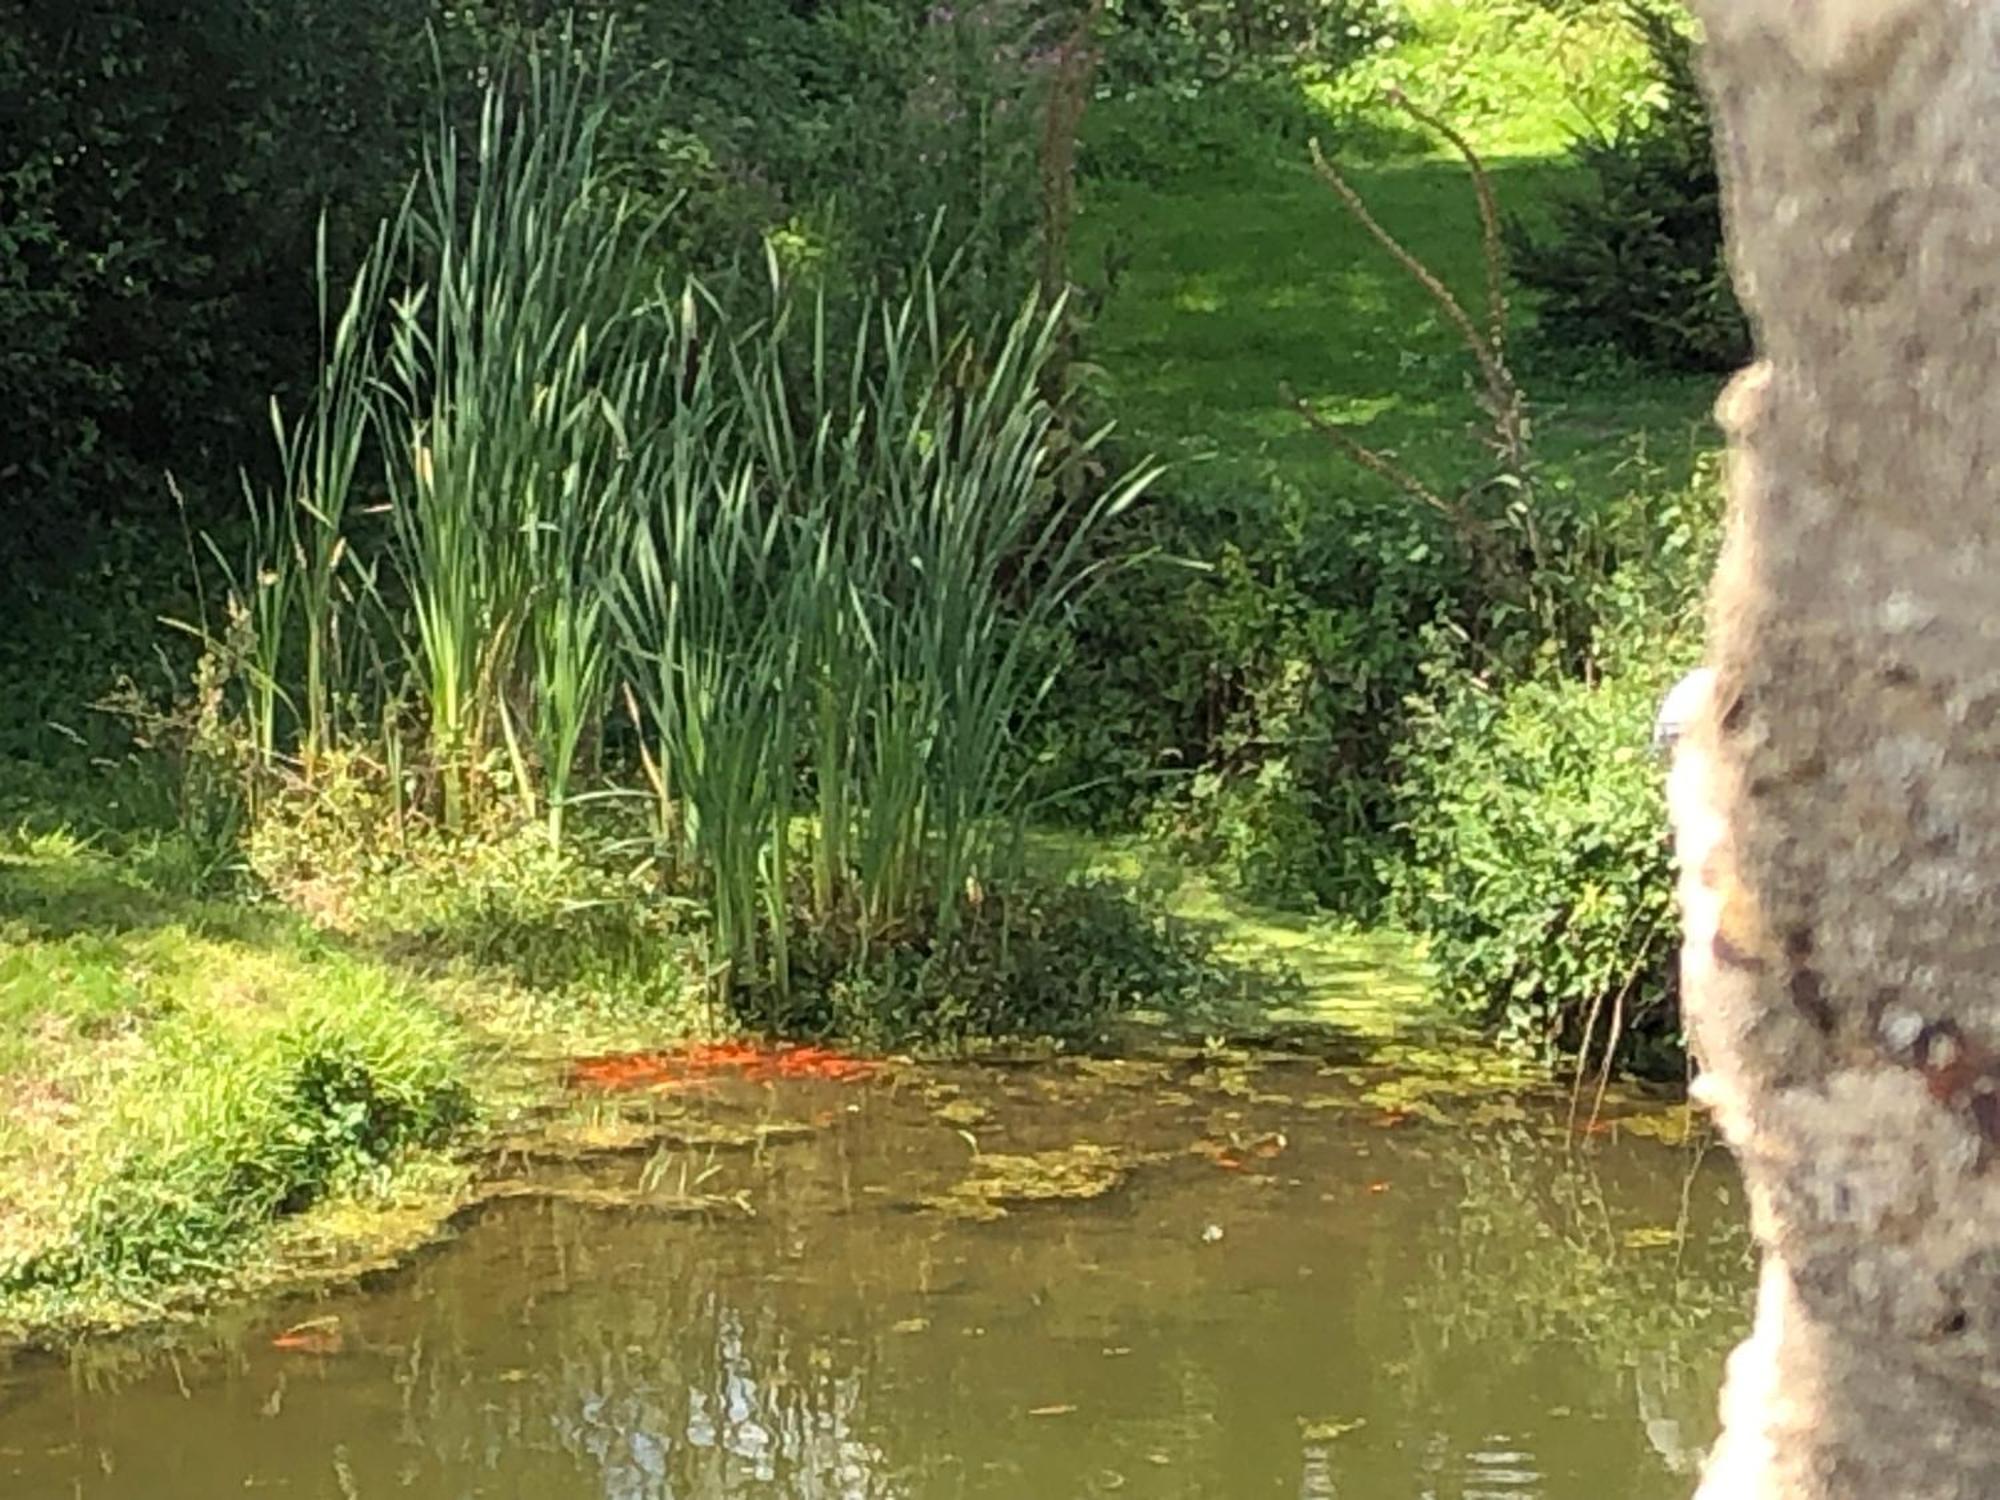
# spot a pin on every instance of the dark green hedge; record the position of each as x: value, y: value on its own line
x: 162, y: 171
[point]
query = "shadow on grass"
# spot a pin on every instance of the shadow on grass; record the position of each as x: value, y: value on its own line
x: 51, y: 895
x: 1235, y: 286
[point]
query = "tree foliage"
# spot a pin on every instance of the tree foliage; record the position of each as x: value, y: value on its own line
x: 165, y: 170
x: 162, y: 174
x: 1634, y: 263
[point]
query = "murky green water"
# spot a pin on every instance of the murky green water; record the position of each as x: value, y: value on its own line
x: 1285, y: 1289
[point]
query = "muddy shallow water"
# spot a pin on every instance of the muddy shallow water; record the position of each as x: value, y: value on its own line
x: 1212, y: 1276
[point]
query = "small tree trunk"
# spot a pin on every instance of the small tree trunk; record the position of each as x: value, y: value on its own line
x: 1838, y: 806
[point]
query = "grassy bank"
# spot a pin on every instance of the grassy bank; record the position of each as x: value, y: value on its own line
x: 216, y: 1090
x: 181, y: 1072
x: 205, y: 1087
x: 555, y: 762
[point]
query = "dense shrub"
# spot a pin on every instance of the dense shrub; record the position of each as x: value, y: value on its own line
x: 1539, y: 869
x: 1033, y: 959
x: 1634, y: 264
x: 1187, y: 86
x: 1242, y: 693
x: 1245, y: 695
x: 162, y: 174
x: 1536, y: 860
x: 1183, y: 44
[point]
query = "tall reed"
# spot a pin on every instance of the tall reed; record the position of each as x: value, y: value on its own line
x: 510, y: 379
x: 843, y: 606
x: 826, y: 562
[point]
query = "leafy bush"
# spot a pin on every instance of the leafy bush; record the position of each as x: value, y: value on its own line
x: 1539, y: 869
x: 158, y: 162
x: 1537, y: 852
x: 1187, y: 86
x: 1034, y: 958
x: 1635, y: 263
x: 1243, y: 695
x: 1183, y: 44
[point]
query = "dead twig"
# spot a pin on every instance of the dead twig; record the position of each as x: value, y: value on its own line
x: 1489, y: 223
x: 1380, y: 463
x: 1494, y: 375
x: 1501, y: 398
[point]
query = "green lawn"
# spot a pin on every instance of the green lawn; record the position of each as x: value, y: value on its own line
x: 1240, y: 281
x: 1239, y: 287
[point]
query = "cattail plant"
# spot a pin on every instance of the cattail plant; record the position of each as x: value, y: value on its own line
x: 507, y: 446
x: 840, y: 608
x: 823, y: 563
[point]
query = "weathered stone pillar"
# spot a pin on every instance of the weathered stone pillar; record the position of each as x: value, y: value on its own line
x: 1838, y: 803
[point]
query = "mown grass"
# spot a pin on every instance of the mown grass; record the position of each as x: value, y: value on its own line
x: 1245, y: 278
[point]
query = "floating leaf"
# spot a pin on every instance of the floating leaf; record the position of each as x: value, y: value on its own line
x: 1081, y: 1171
x: 964, y: 1112
x: 1672, y: 1126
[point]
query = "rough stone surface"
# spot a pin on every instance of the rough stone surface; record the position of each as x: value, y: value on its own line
x: 1837, y: 803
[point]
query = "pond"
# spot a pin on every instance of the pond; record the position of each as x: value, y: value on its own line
x: 1203, y: 1273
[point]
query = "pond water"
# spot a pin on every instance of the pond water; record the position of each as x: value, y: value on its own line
x: 1197, y: 1277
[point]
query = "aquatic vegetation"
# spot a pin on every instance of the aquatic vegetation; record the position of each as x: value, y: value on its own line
x: 997, y: 1182
x: 1235, y: 1154
x: 699, y: 1062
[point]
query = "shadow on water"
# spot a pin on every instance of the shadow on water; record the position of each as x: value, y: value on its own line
x: 1212, y: 1273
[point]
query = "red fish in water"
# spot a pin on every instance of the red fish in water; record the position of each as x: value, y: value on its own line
x: 320, y: 1336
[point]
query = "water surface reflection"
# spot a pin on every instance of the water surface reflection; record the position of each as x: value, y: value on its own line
x: 1439, y: 1311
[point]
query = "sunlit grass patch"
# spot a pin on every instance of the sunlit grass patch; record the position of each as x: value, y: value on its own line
x: 1368, y: 982
x: 177, y: 1074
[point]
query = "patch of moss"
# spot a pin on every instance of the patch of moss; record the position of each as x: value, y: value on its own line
x: 998, y: 1182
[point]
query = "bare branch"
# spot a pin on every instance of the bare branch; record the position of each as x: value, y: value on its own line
x: 1489, y: 220
x: 1378, y: 463
x: 1482, y: 352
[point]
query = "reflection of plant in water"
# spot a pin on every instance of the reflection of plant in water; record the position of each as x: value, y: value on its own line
x: 1542, y: 1254
x: 762, y: 1413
